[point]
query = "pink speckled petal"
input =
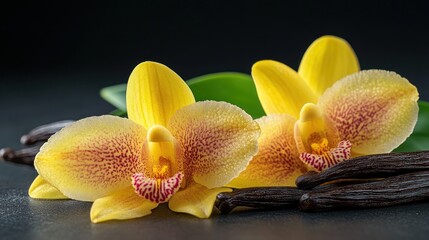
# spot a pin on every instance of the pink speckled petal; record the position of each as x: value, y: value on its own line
x: 375, y: 110
x: 93, y: 157
x: 329, y: 158
x: 156, y: 190
x: 277, y: 162
x: 217, y: 139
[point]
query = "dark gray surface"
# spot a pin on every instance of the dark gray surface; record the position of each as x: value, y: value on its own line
x: 25, y: 218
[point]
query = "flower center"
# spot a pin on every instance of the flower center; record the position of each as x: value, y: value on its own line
x: 165, y: 178
x: 312, y: 132
x: 161, y: 171
x: 320, y: 148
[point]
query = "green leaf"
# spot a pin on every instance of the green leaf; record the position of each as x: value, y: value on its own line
x: 115, y: 95
x: 232, y: 87
x: 119, y: 113
x: 419, y: 139
x: 235, y: 88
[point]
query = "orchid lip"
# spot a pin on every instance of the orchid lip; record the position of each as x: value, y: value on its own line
x: 324, y: 157
x: 157, y: 190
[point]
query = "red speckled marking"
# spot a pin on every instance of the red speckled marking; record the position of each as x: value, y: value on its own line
x: 277, y: 162
x: 373, y: 109
x: 328, y: 159
x: 217, y: 139
x: 156, y: 190
x: 357, y: 121
x: 106, y: 160
x: 93, y: 157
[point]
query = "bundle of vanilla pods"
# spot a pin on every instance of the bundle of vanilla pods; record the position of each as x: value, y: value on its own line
x: 363, y: 182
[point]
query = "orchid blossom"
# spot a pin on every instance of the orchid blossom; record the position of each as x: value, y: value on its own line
x: 325, y: 113
x: 170, y: 149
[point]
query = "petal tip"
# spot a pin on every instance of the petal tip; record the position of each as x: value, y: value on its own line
x: 149, y: 64
x: 41, y: 189
x: 331, y: 38
x: 196, y: 200
x: 122, y: 205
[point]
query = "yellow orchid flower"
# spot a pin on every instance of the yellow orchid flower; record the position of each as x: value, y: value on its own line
x: 325, y: 113
x: 170, y: 149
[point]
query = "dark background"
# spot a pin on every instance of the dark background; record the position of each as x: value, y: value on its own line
x: 56, y: 55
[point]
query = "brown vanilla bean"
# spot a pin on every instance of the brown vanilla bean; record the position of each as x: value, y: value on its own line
x: 405, y: 188
x: 268, y: 197
x: 23, y: 156
x: 370, y: 166
x: 42, y: 133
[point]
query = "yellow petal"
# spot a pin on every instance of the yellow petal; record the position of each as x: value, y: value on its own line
x: 327, y: 60
x: 375, y: 110
x: 277, y: 162
x: 196, y: 200
x: 93, y: 157
x: 154, y: 93
x: 124, y: 204
x: 43, y: 190
x: 280, y: 89
x: 218, y: 140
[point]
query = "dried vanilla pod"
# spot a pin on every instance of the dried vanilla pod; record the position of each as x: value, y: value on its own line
x: 405, y: 188
x: 369, y: 166
x: 23, y: 156
x: 42, y: 133
x: 39, y: 134
x: 269, y: 197
x: 263, y: 197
